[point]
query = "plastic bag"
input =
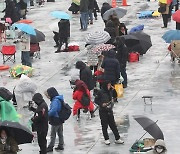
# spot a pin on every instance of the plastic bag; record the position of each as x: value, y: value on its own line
x: 119, y: 89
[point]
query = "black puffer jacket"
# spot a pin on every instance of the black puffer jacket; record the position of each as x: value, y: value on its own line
x: 91, y: 5
x: 111, y: 67
x: 106, y: 6
x: 40, y: 118
x: 111, y: 30
x: 64, y: 28
x: 85, y: 74
x: 84, y: 5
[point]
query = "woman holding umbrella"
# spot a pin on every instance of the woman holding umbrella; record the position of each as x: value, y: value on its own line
x: 7, y: 144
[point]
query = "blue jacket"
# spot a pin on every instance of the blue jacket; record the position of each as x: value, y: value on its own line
x: 55, y: 106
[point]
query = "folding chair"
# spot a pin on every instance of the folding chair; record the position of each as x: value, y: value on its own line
x: 35, y: 50
x: 8, y: 53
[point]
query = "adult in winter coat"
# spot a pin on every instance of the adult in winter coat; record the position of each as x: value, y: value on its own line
x: 64, y: 34
x: 90, y: 10
x: 96, y: 9
x: 105, y: 6
x: 55, y: 122
x: 78, y: 93
x: 110, y: 28
x: 11, y: 11
x: 40, y: 121
x: 111, y: 67
x: 25, y: 50
x: 165, y: 14
x: 159, y: 148
x: 22, y: 8
x: 103, y: 99
x: 7, y: 144
x: 84, y: 13
x: 92, y: 58
x: 85, y: 74
x: 122, y: 56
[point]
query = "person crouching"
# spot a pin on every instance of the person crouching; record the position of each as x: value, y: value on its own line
x: 80, y: 90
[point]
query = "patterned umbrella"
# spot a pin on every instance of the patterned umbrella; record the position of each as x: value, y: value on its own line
x: 97, y: 37
x: 176, y: 16
x: 102, y: 47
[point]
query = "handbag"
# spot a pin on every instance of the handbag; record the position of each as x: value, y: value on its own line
x: 133, y: 57
x: 119, y: 89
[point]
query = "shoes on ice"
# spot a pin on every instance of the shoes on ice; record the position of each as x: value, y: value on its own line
x: 107, y: 142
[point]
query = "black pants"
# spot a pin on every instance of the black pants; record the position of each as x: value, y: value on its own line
x: 165, y: 19
x: 170, y: 11
x: 177, y: 6
x: 62, y: 41
x: 177, y: 26
x: 95, y: 13
x: 123, y: 74
x: 42, y: 141
x: 107, y: 119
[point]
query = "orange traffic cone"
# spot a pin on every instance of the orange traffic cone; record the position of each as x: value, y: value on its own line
x: 114, y: 4
x: 124, y: 3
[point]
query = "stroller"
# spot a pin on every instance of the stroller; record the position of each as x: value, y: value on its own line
x: 175, y: 50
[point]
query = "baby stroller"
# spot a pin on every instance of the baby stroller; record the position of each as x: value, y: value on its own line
x: 35, y: 50
x: 175, y: 50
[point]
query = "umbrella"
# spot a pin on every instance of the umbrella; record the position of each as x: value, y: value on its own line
x: 18, y: 70
x: 77, y: 2
x: 60, y: 15
x: 36, y: 38
x: 120, y: 12
x: 97, y: 37
x: 171, y: 35
x: 176, y: 16
x: 102, y: 47
x: 150, y: 126
x: 25, y: 28
x: 130, y: 40
x: 163, y: 1
x: 20, y: 133
x: 137, y: 28
x: 144, y: 41
x: 25, y: 21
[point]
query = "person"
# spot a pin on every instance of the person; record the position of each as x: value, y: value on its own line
x: 79, y: 90
x: 85, y: 74
x: 74, y: 8
x: 7, y: 144
x: 105, y: 6
x: 103, y: 99
x: 56, y: 38
x: 64, y: 34
x: 110, y: 28
x: 22, y: 8
x: 40, y: 121
x: 164, y: 14
x: 122, y: 29
x: 177, y: 26
x: 11, y: 11
x: 159, y: 148
x: 111, y: 67
x: 90, y: 11
x: 92, y: 58
x: 55, y: 122
x: 96, y: 9
x: 122, y: 56
x: 84, y: 14
x: 25, y: 49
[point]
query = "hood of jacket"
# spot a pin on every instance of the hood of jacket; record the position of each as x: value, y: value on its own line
x: 161, y: 143
x: 104, y: 86
x: 60, y: 98
x: 80, y: 65
x: 38, y: 99
x: 52, y: 92
x: 111, y: 53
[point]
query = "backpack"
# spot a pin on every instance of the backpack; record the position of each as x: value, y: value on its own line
x: 5, y: 94
x: 85, y: 100
x: 65, y: 112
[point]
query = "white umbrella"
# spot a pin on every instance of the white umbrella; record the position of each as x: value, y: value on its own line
x: 97, y: 37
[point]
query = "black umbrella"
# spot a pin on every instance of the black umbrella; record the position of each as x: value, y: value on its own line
x: 150, y: 126
x: 20, y: 133
x: 144, y: 40
x: 39, y: 37
x: 130, y: 40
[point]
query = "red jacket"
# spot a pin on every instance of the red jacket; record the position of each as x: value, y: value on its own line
x: 77, y: 95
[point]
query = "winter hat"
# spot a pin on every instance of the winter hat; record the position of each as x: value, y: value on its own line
x: 80, y: 64
x: 37, y: 98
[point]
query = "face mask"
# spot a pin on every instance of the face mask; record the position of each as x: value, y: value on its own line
x: 159, y: 150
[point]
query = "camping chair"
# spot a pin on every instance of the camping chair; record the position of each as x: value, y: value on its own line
x: 35, y: 50
x: 8, y: 53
